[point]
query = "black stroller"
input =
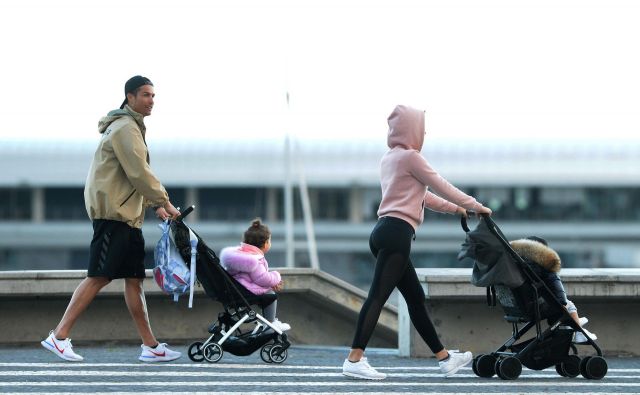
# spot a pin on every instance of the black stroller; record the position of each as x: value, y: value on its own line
x: 526, y: 300
x: 226, y: 333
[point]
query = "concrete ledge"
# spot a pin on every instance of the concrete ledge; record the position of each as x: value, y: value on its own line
x: 321, y: 309
x: 609, y: 297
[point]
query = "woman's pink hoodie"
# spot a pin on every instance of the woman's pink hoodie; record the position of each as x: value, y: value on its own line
x: 406, y: 176
x: 248, y: 266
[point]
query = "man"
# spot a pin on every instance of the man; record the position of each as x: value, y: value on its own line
x: 119, y: 187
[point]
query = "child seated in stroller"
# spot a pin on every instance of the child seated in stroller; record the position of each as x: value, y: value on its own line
x: 545, y: 262
x: 247, y: 265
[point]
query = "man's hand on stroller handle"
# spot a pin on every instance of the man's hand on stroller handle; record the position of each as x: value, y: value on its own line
x: 167, y: 211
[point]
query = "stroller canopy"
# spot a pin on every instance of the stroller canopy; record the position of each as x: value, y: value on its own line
x: 492, y: 261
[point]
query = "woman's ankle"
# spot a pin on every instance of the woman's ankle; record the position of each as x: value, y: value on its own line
x: 442, y: 355
x: 355, y: 355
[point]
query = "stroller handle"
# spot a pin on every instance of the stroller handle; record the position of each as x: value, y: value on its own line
x: 463, y: 220
x: 495, y: 230
x: 185, y: 213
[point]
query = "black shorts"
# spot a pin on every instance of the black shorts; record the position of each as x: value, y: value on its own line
x: 117, y: 250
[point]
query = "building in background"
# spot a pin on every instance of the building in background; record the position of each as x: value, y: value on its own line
x: 583, y: 197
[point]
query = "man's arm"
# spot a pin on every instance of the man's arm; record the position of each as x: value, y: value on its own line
x: 131, y: 152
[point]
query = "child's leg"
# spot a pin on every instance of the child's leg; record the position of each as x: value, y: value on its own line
x: 270, y: 306
x: 269, y: 312
x: 578, y: 336
x: 573, y: 311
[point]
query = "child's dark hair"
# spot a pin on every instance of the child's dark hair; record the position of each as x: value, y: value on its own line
x: 257, y: 234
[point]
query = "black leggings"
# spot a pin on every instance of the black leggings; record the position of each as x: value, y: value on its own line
x: 390, y: 243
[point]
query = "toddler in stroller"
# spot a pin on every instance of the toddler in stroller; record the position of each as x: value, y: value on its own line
x: 227, y: 332
x: 545, y: 262
x: 517, y: 283
x: 246, y: 263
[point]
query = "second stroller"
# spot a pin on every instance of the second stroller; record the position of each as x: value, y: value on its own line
x: 227, y: 332
x: 526, y: 300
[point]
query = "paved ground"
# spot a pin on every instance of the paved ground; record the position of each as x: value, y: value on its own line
x: 308, y: 370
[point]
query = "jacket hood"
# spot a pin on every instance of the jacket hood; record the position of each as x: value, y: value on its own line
x: 406, y: 128
x: 114, y: 115
x: 537, y: 252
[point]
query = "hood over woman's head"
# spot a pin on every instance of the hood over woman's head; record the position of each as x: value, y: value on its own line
x: 406, y: 128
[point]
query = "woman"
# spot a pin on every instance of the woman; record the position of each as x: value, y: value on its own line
x: 405, y: 179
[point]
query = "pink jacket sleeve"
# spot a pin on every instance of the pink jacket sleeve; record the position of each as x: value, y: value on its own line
x: 256, y: 267
x: 436, y: 203
x: 261, y: 276
x: 424, y: 173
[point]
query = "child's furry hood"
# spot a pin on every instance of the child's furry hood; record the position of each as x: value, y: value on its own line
x: 539, y: 253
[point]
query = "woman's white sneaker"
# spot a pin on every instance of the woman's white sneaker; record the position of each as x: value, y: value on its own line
x: 61, y: 348
x: 161, y: 353
x: 361, y: 370
x: 455, y: 361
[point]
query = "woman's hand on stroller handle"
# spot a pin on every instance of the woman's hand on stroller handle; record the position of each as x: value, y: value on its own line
x: 484, y: 211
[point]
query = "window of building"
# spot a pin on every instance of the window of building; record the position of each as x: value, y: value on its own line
x: 64, y: 204
x: 329, y: 203
x: 371, y: 201
x: 16, y: 204
x: 297, y: 205
x: 562, y: 203
x: 231, y: 204
x: 612, y: 204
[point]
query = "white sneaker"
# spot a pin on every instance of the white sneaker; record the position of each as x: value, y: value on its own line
x: 283, y: 326
x: 61, y: 348
x: 580, y: 338
x: 161, y: 353
x: 583, y: 321
x: 361, y: 370
x: 455, y: 361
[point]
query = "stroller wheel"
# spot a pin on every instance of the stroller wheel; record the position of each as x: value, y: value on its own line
x: 485, y: 365
x: 195, y: 352
x: 509, y: 368
x: 593, y: 368
x: 583, y: 367
x: 277, y: 353
x: 570, y: 367
x: 474, y: 364
x: 213, y: 352
x: 264, y: 353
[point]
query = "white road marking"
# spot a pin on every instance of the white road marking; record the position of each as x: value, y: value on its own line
x: 384, y: 383
x: 176, y: 373
x: 205, y: 365
x: 323, y: 393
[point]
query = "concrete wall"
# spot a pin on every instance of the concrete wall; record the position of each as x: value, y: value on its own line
x: 321, y: 309
x: 610, y: 298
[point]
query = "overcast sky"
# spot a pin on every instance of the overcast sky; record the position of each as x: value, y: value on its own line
x: 507, y: 69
